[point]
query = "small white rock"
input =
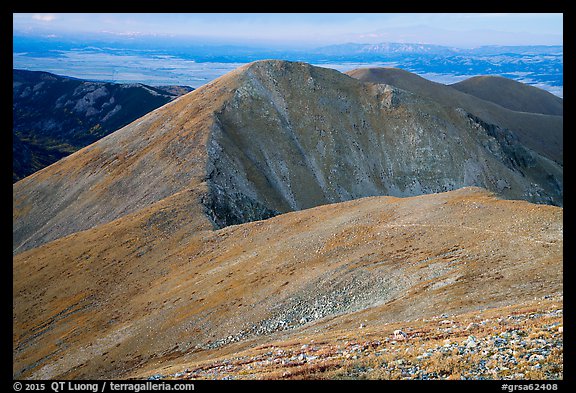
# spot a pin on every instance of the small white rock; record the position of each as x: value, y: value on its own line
x: 400, y: 335
x: 536, y: 358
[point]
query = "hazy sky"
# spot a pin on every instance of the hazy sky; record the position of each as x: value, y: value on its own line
x: 465, y: 30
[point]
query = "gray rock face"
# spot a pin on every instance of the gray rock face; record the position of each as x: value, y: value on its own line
x: 542, y: 133
x: 295, y: 136
x: 273, y: 137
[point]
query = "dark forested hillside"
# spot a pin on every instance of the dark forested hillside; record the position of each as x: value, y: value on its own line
x: 55, y: 115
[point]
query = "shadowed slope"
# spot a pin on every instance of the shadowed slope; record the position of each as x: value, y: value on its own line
x: 56, y: 115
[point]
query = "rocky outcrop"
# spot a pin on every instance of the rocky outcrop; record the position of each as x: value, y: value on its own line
x: 542, y: 133
x: 294, y: 136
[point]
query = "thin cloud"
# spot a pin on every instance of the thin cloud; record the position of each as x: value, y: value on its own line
x: 44, y: 17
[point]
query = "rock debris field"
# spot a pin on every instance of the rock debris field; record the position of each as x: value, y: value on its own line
x: 519, y: 342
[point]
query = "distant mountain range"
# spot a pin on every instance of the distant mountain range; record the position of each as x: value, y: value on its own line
x: 34, y: 44
x: 159, y: 60
x: 57, y: 115
x: 392, y: 48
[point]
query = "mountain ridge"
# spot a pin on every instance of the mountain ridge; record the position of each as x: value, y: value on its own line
x: 529, y: 127
x: 158, y: 287
x: 511, y: 94
x: 264, y: 148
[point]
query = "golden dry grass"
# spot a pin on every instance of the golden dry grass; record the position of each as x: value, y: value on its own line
x: 159, y: 288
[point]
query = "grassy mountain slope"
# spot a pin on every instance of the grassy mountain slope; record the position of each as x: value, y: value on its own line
x: 273, y: 137
x: 145, y: 252
x: 159, y: 287
x: 511, y: 94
